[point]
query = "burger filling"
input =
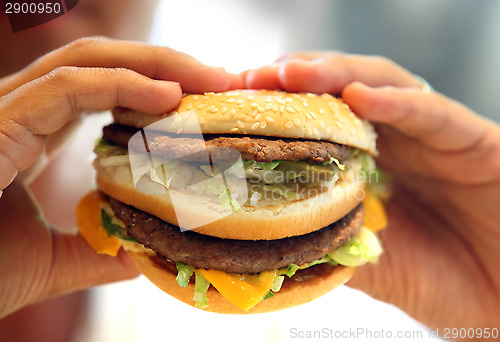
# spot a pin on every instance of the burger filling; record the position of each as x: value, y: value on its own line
x: 275, y: 169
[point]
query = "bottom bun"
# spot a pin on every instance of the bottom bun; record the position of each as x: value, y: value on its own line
x: 314, y: 282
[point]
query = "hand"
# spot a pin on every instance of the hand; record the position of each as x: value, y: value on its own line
x: 441, y: 244
x: 38, y: 106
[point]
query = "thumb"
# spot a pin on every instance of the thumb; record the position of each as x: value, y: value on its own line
x: 38, y: 263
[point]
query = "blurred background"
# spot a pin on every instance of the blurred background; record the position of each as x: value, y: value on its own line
x: 454, y: 44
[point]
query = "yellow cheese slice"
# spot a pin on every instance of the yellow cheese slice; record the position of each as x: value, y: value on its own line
x: 243, y: 290
x: 375, y: 215
x: 89, y: 221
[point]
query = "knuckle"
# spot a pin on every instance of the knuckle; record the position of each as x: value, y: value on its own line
x: 85, y: 43
x: 60, y: 75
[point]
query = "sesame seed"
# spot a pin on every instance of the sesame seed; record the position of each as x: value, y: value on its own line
x: 289, y: 124
x: 310, y: 95
x: 290, y: 109
x: 281, y: 101
x: 268, y: 99
x: 308, y: 116
x: 240, y: 124
x: 177, y: 118
x: 241, y: 105
x: 233, y: 112
x: 322, y: 124
x: 195, y: 98
x: 269, y: 119
x: 234, y: 130
x: 275, y: 108
x: 329, y: 130
x: 261, y: 109
x: 214, y: 110
x: 235, y: 93
x: 289, y: 100
x: 282, y: 109
x: 189, y: 106
x: 313, y: 114
x: 240, y: 101
x: 263, y: 124
x: 224, y: 110
x: 255, y: 112
x: 250, y: 98
x: 209, y: 93
x: 228, y: 94
x: 321, y: 111
x: 201, y: 106
x: 315, y: 132
x: 305, y: 104
x: 256, y: 125
x: 201, y: 121
x: 206, y: 97
x: 254, y: 105
x: 231, y: 100
x: 269, y: 106
x: 308, y: 131
x: 296, y: 121
x: 257, y: 117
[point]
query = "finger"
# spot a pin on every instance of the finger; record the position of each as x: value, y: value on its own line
x: 431, y: 118
x: 27, y: 115
x: 331, y: 72
x: 265, y: 77
x: 40, y: 264
x: 156, y: 62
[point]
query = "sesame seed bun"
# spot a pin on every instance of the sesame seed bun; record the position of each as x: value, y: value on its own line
x: 267, y: 113
x: 320, y: 279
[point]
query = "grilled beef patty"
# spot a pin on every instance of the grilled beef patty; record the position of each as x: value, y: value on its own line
x: 235, y: 256
x: 222, y: 147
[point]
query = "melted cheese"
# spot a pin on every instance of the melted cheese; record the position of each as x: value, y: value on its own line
x: 375, y: 215
x: 89, y: 221
x: 243, y: 290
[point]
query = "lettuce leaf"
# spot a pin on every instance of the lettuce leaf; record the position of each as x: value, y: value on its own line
x: 364, y: 247
x: 200, y: 291
x: 115, y: 227
x: 184, y: 273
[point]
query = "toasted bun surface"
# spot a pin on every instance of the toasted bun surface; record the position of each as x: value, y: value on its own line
x: 265, y: 112
x: 320, y: 280
x: 261, y: 223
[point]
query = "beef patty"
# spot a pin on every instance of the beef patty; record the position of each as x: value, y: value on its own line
x: 236, y: 256
x: 222, y: 147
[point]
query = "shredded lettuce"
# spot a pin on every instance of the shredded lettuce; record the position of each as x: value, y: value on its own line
x: 364, y: 247
x: 269, y: 295
x: 336, y: 161
x: 184, y: 273
x: 200, y: 291
x: 277, y: 283
x: 114, y: 226
x: 252, y: 164
x: 291, y: 269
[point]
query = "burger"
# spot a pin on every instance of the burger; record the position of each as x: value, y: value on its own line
x: 244, y: 201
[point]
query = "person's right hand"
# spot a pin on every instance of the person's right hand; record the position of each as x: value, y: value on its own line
x: 443, y: 239
x: 38, y: 106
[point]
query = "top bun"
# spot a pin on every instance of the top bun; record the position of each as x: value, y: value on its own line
x: 264, y: 112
